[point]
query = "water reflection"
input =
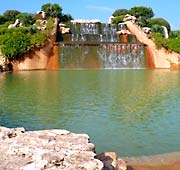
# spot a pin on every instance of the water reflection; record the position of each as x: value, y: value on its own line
x: 133, y: 112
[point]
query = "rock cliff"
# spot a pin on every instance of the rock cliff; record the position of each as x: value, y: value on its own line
x: 40, y: 58
x: 156, y: 58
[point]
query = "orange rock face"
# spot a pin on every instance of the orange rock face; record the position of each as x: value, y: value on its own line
x: 156, y: 58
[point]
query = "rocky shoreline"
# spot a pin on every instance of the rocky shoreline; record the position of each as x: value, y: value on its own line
x: 63, y: 150
x: 52, y: 150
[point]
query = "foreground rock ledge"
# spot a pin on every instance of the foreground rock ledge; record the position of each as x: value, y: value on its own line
x: 52, y: 150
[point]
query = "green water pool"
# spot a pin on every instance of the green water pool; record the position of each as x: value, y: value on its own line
x: 131, y: 112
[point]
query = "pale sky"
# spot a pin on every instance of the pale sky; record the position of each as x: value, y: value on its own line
x: 99, y: 9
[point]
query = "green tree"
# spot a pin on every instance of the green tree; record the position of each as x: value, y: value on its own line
x: 26, y: 18
x: 142, y: 22
x: 157, y: 29
x: 52, y: 10
x: 2, y: 19
x: 142, y: 11
x: 120, y: 12
x: 118, y: 19
x: 159, y: 21
x: 10, y: 15
x: 65, y: 18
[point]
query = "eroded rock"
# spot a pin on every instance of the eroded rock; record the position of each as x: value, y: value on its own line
x: 47, y: 149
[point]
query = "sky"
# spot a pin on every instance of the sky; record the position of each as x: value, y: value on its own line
x: 99, y: 9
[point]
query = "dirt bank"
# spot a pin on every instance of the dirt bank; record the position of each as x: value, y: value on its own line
x: 169, y: 161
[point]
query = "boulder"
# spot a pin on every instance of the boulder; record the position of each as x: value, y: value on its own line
x: 111, y: 161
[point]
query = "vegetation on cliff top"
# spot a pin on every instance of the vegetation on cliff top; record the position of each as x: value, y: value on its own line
x: 17, y: 41
x: 145, y: 18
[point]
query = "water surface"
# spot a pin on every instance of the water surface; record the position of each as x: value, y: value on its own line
x: 132, y: 112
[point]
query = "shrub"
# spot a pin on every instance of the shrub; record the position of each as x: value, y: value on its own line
x: 17, y: 41
x: 26, y: 18
x: 15, y: 44
x: 159, y: 40
x: 173, y: 44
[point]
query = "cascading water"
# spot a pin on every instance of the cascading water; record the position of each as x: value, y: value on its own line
x: 97, y: 45
x: 166, y: 35
x: 121, y: 55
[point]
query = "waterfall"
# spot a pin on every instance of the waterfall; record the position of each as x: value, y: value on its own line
x: 166, y: 35
x: 97, y: 45
x: 104, y: 55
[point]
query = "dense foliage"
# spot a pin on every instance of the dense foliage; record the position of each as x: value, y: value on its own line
x: 52, y: 10
x: 17, y: 41
x: 2, y: 19
x: 26, y: 19
x: 55, y: 10
x: 145, y: 18
x: 118, y: 19
x: 138, y: 11
x: 120, y: 12
x: 171, y: 44
x: 159, y: 21
x: 10, y: 15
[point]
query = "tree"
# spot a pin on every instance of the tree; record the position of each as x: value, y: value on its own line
x: 10, y: 15
x: 142, y: 22
x: 52, y: 10
x: 2, y: 19
x: 120, y: 12
x: 141, y: 11
x: 26, y: 18
x: 159, y: 21
x: 118, y: 19
x: 65, y: 18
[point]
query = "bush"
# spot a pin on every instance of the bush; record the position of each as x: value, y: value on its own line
x: 17, y: 41
x: 173, y: 44
x: 15, y: 44
x: 159, y: 40
x: 26, y: 19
